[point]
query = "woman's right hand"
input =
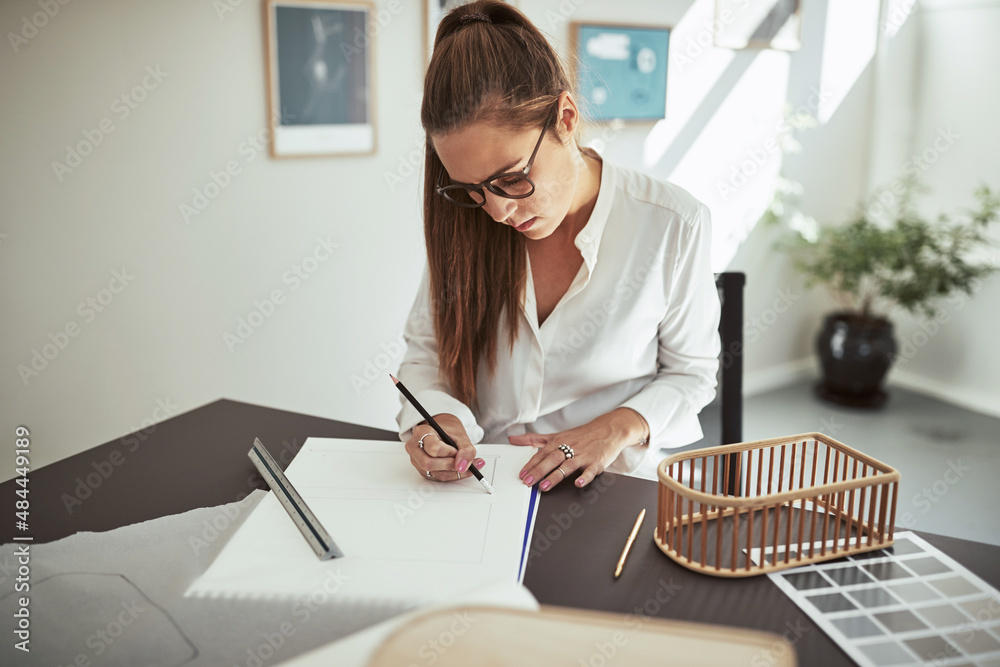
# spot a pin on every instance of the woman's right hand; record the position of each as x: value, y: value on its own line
x: 438, y: 460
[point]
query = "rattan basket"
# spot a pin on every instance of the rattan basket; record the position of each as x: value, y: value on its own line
x: 798, y: 499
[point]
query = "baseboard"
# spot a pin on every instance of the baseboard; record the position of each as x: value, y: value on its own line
x: 782, y: 375
x: 971, y: 399
x: 788, y: 373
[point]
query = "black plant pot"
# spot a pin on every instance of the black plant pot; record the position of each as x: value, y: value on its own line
x: 855, y: 352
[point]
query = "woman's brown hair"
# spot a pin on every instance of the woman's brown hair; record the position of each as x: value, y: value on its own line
x: 499, y: 71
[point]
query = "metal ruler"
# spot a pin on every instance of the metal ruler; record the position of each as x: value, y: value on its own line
x: 302, y: 516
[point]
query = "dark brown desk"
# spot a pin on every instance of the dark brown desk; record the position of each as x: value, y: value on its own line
x: 199, y: 459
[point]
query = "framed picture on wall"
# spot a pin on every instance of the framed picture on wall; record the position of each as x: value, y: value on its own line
x: 434, y: 11
x: 320, y: 77
x: 621, y: 70
x: 762, y: 24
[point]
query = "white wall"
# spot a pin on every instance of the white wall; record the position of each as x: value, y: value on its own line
x: 927, y: 77
x: 158, y: 345
x: 158, y: 348
x: 938, y: 114
x: 782, y: 316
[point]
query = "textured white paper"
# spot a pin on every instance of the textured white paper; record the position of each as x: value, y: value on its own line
x: 407, y: 541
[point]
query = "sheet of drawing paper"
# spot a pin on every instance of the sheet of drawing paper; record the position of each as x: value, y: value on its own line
x: 909, y: 604
x: 407, y: 541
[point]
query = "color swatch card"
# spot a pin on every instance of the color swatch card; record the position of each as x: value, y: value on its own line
x: 906, y: 605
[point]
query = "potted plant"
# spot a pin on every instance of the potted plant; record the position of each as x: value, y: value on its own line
x: 886, y: 257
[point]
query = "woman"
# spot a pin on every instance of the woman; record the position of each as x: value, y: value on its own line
x: 568, y: 303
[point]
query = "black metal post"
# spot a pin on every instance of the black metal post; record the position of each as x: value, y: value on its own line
x: 731, y: 334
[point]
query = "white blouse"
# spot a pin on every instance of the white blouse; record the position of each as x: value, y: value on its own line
x: 638, y: 327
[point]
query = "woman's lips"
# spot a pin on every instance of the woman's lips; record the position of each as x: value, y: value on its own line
x: 525, y: 225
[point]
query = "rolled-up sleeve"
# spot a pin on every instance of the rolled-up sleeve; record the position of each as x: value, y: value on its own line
x: 419, y: 371
x: 689, y: 346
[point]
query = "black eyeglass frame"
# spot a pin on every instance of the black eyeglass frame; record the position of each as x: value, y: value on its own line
x: 478, y: 187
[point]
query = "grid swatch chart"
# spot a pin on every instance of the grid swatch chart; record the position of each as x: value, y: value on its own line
x: 909, y: 604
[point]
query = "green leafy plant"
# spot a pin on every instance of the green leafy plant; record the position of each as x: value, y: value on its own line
x: 877, y: 260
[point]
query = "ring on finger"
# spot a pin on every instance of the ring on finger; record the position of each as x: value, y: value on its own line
x: 421, y: 442
x: 430, y: 476
x: 561, y: 471
x: 567, y: 451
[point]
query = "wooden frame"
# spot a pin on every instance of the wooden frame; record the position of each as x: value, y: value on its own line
x: 704, y: 529
x: 642, y: 97
x: 324, y: 51
x: 752, y: 24
x: 552, y: 634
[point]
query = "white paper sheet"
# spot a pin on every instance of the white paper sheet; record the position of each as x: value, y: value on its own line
x: 407, y: 541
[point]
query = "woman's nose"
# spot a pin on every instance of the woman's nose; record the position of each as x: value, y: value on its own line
x: 499, y: 208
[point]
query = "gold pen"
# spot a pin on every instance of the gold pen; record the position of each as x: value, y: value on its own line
x: 628, y: 545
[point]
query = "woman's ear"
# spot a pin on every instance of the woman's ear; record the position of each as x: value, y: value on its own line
x: 568, y: 120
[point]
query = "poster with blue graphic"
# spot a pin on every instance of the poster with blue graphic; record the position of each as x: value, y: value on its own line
x: 622, y: 71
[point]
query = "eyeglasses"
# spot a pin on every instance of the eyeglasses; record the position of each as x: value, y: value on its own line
x: 512, y: 184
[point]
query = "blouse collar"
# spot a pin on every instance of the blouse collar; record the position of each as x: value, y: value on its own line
x: 589, y: 238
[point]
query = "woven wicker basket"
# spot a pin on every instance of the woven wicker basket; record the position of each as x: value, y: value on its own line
x: 800, y: 499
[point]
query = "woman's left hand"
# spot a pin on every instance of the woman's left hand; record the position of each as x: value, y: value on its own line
x: 594, y: 445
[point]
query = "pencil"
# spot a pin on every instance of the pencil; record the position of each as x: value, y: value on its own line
x: 628, y: 544
x: 440, y: 431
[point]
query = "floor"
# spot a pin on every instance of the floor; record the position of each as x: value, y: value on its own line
x: 948, y: 457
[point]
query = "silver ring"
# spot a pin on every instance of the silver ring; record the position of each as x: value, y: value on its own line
x: 459, y: 475
x: 567, y: 451
x: 421, y: 442
x: 563, y: 474
x: 429, y: 475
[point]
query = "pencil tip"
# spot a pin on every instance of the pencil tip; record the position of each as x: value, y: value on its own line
x: 394, y: 380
